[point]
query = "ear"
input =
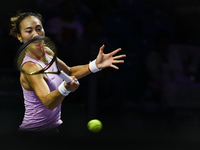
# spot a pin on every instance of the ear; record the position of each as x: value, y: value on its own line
x: 19, y: 37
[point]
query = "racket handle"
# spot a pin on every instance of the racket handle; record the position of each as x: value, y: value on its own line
x: 65, y: 77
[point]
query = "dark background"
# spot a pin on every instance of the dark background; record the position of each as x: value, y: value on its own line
x: 128, y: 122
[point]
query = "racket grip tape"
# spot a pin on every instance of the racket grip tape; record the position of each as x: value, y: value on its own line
x: 65, y: 77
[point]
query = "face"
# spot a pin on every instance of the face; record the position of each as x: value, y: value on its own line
x: 30, y: 27
x: 36, y: 49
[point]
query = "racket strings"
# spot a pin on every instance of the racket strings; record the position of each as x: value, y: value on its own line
x: 36, y: 50
x: 21, y: 59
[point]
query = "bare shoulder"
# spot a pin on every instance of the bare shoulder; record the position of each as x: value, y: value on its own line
x: 26, y: 80
x: 30, y: 67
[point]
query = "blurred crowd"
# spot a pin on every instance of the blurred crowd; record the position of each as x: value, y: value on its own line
x: 162, y: 64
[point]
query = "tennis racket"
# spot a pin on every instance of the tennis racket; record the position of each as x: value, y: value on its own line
x: 39, y: 50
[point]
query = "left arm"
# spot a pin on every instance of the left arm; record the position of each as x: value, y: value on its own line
x: 78, y: 71
x: 102, y: 61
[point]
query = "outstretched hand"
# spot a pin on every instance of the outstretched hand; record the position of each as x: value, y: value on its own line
x: 108, y: 60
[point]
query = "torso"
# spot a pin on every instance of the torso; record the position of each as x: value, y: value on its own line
x: 37, y: 117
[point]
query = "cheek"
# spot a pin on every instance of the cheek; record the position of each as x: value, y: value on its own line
x: 42, y: 33
x: 25, y: 38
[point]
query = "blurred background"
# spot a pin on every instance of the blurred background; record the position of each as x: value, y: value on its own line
x: 151, y: 102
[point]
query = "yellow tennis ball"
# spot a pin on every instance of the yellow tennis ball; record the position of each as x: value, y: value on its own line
x: 94, y: 125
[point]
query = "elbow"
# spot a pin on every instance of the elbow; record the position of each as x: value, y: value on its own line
x: 48, y: 103
x: 49, y: 106
x: 51, y: 102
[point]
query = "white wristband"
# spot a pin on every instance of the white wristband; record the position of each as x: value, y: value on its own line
x: 93, y: 67
x: 63, y: 90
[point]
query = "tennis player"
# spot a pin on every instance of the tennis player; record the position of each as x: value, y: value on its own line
x: 44, y: 93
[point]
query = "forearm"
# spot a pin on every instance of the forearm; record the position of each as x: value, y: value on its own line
x: 77, y: 71
x: 53, y: 99
x: 80, y: 71
x: 83, y: 70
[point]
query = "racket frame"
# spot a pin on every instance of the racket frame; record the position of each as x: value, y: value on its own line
x: 60, y: 73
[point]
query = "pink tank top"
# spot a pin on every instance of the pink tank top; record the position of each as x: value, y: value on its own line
x: 37, y: 117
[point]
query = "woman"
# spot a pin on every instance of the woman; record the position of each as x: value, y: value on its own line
x: 44, y: 93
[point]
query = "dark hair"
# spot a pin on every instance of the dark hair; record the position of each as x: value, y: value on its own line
x: 15, y: 21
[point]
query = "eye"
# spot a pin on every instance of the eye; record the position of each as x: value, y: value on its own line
x: 39, y: 29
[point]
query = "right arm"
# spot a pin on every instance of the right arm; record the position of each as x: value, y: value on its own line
x: 38, y: 84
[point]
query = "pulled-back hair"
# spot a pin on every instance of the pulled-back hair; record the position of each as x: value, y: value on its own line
x: 16, y: 20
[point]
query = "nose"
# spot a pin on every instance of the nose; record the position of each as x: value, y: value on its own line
x: 35, y: 34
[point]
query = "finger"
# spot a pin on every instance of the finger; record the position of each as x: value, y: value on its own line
x: 117, y: 61
x: 73, y: 77
x: 76, y: 81
x: 113, y: 66
x: 73, y: 86
x: 119, y: 56
x: 102, y: 48
x: 116, y: 51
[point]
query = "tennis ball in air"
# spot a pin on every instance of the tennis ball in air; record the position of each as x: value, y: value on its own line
x: 94, y: 125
